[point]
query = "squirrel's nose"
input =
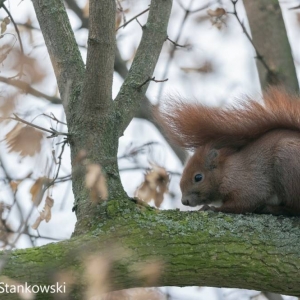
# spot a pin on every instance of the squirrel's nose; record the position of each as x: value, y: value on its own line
x: 185, y: 201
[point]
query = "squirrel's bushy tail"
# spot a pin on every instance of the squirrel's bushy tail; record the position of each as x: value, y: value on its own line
x: 191, y: 125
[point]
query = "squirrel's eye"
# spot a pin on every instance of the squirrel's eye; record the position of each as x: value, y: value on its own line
x: 198, y: 177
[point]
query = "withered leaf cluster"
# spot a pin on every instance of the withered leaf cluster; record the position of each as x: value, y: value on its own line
x: 217, y: 17
x: 45, y: 214
x: 4, y: 24
x: 155, y: 185
x: 24, y: 139
x: 37, y: 190
x: 96, y: 182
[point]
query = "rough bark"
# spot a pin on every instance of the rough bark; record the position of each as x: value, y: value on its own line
x: 270, y: 38
x: 258, y: 252
x: 63, y: 50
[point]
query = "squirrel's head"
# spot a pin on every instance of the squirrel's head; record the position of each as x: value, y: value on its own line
x: 200, y: 179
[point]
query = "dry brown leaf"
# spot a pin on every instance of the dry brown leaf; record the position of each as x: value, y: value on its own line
x: 45, y: 214
x: 27, y: 25
x: 31, y: 68
x: 36, y: 190
x: 96, y: 272
x: 146, y: 294
x: 68, y: 278
x: 8, y: 106
x: 24, y: 139
x: 96, y: 182
x: 218, y: 12
x: 86, y: 8
x: 3, y: 27
x: 6, y: 20
x: 205, y: 68
x: 118, y: 19
x: 150, y: 271
x: 14, y: 185
x: 37, y: 223
x: 4, y: 24
x: 155, y: 185
x: 217, y: 17
x: 82, y: 154
x: 135, y: 294
x: 18, y: 287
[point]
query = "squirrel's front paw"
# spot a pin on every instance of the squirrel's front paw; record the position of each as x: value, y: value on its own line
x: 206, y: 207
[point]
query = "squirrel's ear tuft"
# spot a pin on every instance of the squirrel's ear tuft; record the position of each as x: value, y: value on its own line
x: 211, y: 160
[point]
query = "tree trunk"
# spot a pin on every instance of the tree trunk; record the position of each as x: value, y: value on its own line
x: 270, y: 38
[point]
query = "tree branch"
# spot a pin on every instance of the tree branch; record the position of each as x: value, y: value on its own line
x: 135, y: 17
x: 28, y: 89
x: 258, y: 252
x: 270, y: 37
x: 97, y: 92
x: 62, y: 47
x: 154, y: 34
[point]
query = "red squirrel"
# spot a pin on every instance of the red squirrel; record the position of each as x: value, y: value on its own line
x: 247, y: 157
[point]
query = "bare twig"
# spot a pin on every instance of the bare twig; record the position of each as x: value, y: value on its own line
x: 151, y: 79
x: 257, y: 53
x: 59, y: 163
x: 172, y: 52
x: 30, y: 90
x: 121, y: 10
x: 125, y: 24
x: 19, y: 37
x: 52, y: 117
x: 54, y: 133
x: 175, y: 44
x: 139, y: 23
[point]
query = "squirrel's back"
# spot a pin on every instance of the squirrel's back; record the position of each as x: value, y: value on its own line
x: 192, y: 125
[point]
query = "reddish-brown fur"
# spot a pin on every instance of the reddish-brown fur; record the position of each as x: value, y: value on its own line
x: 248, y: 157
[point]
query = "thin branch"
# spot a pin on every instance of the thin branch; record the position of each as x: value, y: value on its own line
x: 151, y: 79
x: 19, y: 37
x: 54, y: 133
x: 27, y: 88
x: 257, y: 53
x: 120, y: 9
x: 52, y: 117
x: 130, y: 95
x: 175, y: 44
x: 172, y: 52
x: 137, y: 20
x: 59, y: 163
x: 135, y: 17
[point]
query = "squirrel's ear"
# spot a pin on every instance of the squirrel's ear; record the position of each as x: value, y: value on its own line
x: 211, y: 160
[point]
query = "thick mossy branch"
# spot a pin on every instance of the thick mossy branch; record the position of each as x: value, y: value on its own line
x: 259, y: 252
